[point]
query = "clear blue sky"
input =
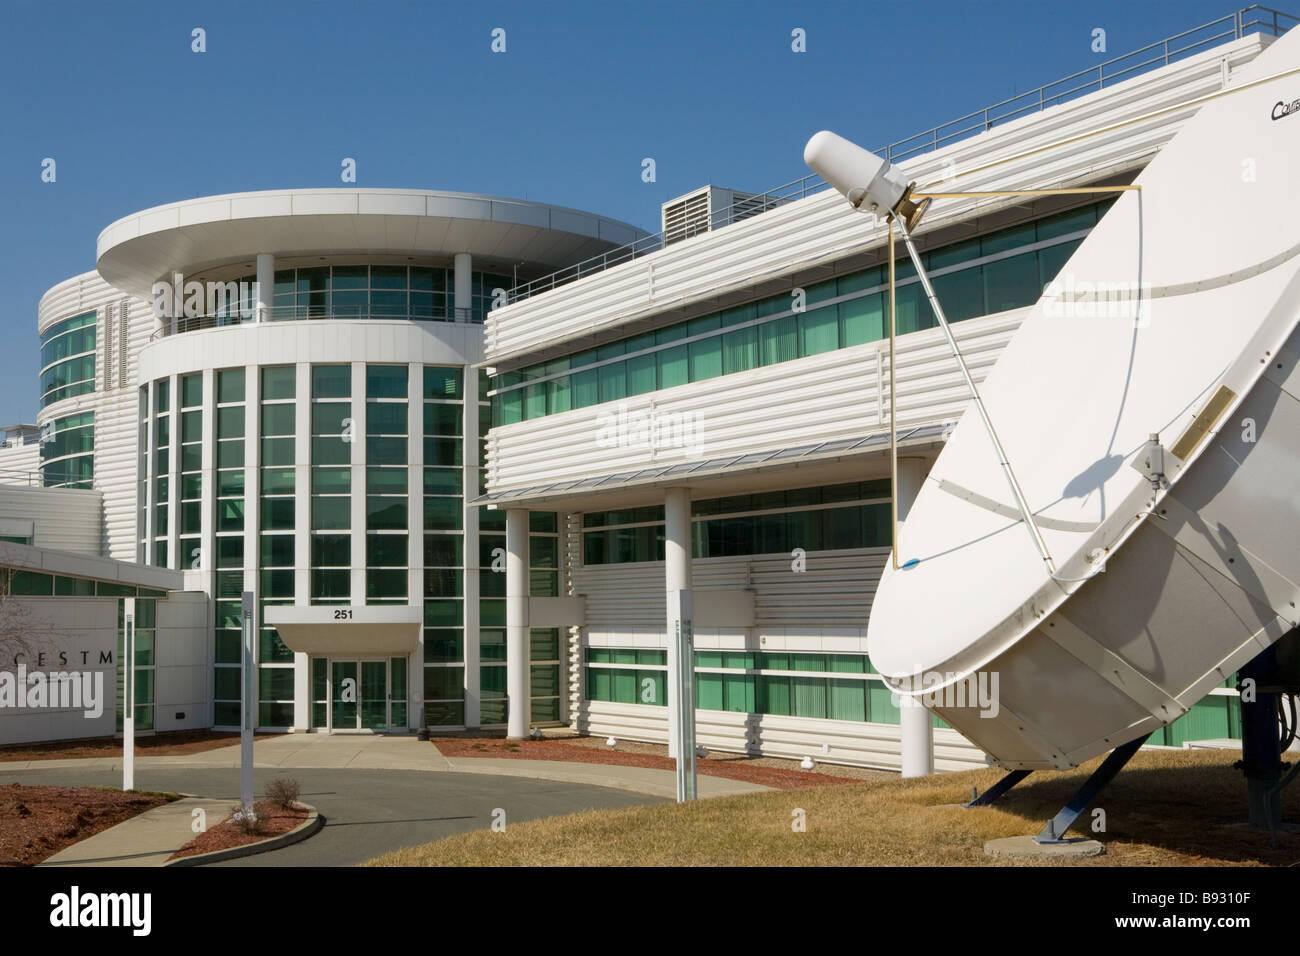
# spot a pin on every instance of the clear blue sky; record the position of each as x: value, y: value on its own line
x: 711, y: 90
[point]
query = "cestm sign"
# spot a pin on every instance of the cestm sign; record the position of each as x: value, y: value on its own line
x: 1281, y: 109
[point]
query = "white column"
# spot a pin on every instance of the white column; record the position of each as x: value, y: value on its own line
x: 358, y: 501
x: 677, y: 577
x: 518, y: 707
x: 265, y: 284
x: 302, y: 689
x: 464, y: 289
x: 415, y: 530
x: 174, y: 558
x: 916, y: 729
x: 252, y: 499
x: 208, y: 539
x: 470, y: 555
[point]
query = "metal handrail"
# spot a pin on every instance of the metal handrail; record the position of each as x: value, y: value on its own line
x: 1254, y: 18
x: 295, y: 313
x: 39, y: 479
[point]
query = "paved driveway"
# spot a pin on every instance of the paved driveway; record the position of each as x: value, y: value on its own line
x: 367, y: 812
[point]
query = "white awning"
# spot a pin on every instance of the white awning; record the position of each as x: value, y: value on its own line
x: 384, y: 631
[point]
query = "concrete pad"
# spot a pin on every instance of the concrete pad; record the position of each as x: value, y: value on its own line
x: 1024, y: 848
x: 145, y: 840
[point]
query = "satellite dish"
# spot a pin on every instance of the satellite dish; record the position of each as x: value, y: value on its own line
x: 1176, y: 317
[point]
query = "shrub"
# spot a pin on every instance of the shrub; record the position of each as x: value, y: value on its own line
x: 283, y: 792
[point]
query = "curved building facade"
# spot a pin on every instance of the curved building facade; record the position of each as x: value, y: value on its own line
x: 278, y: 393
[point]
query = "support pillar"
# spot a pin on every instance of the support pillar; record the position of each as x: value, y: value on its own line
x: 464, y: 287
x: 265, y: 285
x: 916, y: 728
x: 1261, y: 750
x: 518, y: 705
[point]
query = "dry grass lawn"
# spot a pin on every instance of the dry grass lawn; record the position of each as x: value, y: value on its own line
x: 1167, y: 808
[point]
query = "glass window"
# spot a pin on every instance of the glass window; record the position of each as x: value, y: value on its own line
x: 386, y: 481
x: 1011, y: 283
x: 277, y: 451
x: 331, y: 550
x: 386, y: 418
x: 386, y: 381
x: 278, y: 419
x: 613, y: 382
x: 230, y: 422
x: 585, y: 388
x: 442, y: 481
x: 863, y: 320
x: 386, y: 451
x: 961, y: 293
x: 191, y: 390
x: 819, y: 331
x: 278, y: 382
x: 331, y: 451
x: 442, y: 514
x: 386, y: 514
x: 386, y: 550
x: 327, y: 418
x: 441, y: 382
x: 331, y: 381
x: 230, y: 385
x: 740, y: 350
x: 331, y: 513
x: 705, y: 357
x: 778, y: 340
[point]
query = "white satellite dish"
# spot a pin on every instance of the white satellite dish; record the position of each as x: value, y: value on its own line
x: 1164, y: 586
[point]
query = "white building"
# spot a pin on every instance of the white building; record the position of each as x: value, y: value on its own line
x: 467, y: 480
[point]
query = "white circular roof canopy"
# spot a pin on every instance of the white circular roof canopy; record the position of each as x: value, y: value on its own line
x: 200, y: 234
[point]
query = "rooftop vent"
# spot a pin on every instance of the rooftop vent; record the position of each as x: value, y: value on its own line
x: 707, y: 208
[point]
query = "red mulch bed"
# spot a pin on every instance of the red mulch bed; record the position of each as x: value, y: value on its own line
x: 732, y: 766
x: 274, y: 822
x: 172, y: 744
x: 37, y: 822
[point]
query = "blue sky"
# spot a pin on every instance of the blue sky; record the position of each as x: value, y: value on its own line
x: 710, y: 90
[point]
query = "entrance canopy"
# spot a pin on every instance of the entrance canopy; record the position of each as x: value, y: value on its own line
x: 348, y: 631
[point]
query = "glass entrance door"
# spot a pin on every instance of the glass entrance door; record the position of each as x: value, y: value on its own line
x: 358, y: 695
x: 343, y: 695
x: 374, y: 695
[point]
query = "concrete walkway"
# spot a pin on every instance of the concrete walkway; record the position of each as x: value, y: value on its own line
x: 147, y: 839
x: 380, y: 752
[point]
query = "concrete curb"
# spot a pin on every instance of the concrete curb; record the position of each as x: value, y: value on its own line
x: 299, y: 833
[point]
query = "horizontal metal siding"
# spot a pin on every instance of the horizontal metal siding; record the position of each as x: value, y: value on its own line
x: 115, y: 407
x: 65, y: 519
x: 822, y: 228
x: 822, y: 608
x: 823, y: 397
x: 830, y: 741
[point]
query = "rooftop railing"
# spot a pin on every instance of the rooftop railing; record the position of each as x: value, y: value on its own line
x: 296, y: 313
x: 1246, y: 21
x: 43, y: 479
